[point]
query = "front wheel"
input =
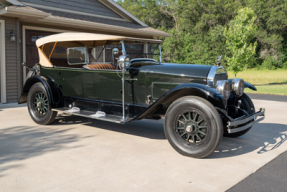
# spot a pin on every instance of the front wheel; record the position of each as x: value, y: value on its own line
x: 39, y: 106
x: 193, y: 127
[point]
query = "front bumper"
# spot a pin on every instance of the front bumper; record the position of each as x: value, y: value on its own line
x: 243, y: 123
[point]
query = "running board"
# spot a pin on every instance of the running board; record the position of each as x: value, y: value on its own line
x: 91, y: 114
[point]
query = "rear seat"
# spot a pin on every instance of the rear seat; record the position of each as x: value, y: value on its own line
x: 100, y: 66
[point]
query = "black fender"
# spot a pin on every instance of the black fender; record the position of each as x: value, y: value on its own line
x: 53, y: 91
x: 189, y: 89
x: 250, y: 86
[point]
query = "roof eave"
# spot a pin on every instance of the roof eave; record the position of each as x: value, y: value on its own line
x: 46, y: 18
x: 12, y: 11
x: 121, y: 11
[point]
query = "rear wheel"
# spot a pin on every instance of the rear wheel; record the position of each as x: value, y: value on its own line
x: 248, y: 106
x: 39, y: 106
x: 193, y: 127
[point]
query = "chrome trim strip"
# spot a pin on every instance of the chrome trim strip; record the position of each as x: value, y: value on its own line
x: 235, y: 123
x: 235, y: 130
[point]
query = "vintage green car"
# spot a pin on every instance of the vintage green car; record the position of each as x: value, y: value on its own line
x: 122, y: 79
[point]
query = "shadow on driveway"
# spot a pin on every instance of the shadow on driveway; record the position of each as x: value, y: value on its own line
x: 22, y: 142
x: 152, y: 129
x: 263, y: 137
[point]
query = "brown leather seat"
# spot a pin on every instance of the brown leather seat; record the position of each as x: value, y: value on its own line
x: 101, y: 66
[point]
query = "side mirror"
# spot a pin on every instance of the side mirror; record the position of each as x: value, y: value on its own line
x: 24, y: 64
x: 124, y: 62
x: 78, y: 56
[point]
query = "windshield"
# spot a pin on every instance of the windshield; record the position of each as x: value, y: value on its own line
x: 103, y: 54
x: 143, y: 51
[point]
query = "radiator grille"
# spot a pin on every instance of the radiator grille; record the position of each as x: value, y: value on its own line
x: 220, y: 76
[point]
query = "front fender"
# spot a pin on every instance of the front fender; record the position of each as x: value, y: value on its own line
x: 53, y: 92
x: 250, y: 86
x: 189, y: 89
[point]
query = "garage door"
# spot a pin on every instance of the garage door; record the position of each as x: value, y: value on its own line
x: 31, y: 50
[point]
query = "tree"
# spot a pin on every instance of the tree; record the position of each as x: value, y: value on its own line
x: 197, y: 27
x: 239, y: 37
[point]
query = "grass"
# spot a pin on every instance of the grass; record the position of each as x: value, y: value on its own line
x: 267, y: 81
x: 269, y: 89
x: 262, y: 77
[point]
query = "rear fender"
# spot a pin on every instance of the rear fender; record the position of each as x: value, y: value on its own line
x: 53, y: 91
x: 190, y: 89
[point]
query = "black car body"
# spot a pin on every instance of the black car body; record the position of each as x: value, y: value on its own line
x: 138, y: 86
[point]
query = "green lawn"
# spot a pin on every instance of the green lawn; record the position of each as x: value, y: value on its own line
x: 266, y: 81
x: 270, y: 89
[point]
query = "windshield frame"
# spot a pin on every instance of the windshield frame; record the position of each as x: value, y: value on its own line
x: 159, y: 47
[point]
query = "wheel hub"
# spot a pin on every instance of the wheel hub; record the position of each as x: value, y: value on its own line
x: 190, y: 128
x: 40, y: 104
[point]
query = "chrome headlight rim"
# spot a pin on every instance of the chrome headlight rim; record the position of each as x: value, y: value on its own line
x: 223, y: 86
x: 237, y: 85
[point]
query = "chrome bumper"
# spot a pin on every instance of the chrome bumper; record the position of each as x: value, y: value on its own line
x: 240, y: 124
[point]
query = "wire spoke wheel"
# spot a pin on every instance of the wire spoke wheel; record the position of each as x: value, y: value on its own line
x: 40, y: 104
x: 191, y: 127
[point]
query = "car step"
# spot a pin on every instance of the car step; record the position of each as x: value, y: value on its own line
x: 99, y: 115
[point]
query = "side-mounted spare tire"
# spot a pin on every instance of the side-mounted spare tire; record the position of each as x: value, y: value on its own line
x: 193, y: 127
x: 39, y: 106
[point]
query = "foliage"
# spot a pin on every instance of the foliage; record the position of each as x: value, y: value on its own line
x: 239, y: 36
x: 197, y: 27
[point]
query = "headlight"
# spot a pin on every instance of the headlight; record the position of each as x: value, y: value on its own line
x: 237, y: 85
x: 124, y: 62
x: 223, y: 87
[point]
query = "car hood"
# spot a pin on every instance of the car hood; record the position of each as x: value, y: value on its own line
x: 182, y: 70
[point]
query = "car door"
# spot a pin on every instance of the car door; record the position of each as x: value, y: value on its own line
x: 71, y: 82
x: 107, y: 85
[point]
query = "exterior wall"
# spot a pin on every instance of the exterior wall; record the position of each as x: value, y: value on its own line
x: 12, y: 67
x: 86, y: 6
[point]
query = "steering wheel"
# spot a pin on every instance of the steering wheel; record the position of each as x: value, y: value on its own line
x: 139, y: 56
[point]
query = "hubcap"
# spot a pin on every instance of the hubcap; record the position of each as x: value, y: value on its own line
x: 40, y: 104
x: 191, y: 127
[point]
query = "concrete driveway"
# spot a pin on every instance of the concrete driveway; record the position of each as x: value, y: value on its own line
x: 79, y: 154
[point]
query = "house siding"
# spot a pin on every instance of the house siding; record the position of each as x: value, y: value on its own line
x: 86, y: 6
x: 12, y: 79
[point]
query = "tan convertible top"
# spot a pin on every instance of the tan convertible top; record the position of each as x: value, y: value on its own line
x: 88, y: 39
